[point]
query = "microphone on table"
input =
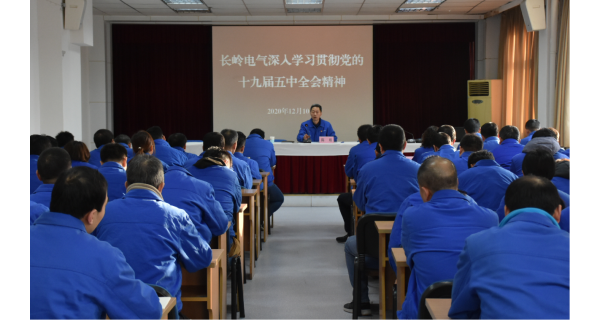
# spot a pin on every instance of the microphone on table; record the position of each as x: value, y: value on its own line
x: 410, y: 140
x: 309, y: 139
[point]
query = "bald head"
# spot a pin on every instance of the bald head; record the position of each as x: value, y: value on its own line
x: 437, y: 173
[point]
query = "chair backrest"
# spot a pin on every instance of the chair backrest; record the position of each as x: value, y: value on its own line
x: 162, y: 292
x: 367, y: 237
x: 440, y: 289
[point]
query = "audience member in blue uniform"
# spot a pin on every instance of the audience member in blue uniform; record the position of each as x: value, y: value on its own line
x: 197, y: 198
x: 442, y: 145
x: 51, y: 163
x: 509, y: 146
x: 562, y: 175
x: 566, y: 152
x: 434, y: 233
x: 101, y: 138
x: 565, y: 220
x: 210, y: 139
x: 178, y: 141
x: 80, y: 155
x: 263, y: 152
x: 489, y: 134
x: 240, y: 167
x: 544, y: 138
x: 470, y: 143
x: 471, y: 126
x: 426, y: 143
x: 359, y: 155
x: 374, y: 195
x: 311, y: 130
x: 538, y: 163
x: 73, y: 275
x: 531, y: 126
x: 63, y: 138
x: 485, y: 181
x: 35, y: 211
x: 396, y: 235
x: 520, y: 269
x: 155, y: 237
x: 113, y: 157
x: 215, y: 169
x: 163, y: 150
x: 125, y: 141
x: 37, y: 145
x: 239, y: 154
x: 451, y: 132
x: 142, y: 143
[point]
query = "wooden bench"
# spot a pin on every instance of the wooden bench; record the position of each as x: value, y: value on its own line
x: 201, y: 290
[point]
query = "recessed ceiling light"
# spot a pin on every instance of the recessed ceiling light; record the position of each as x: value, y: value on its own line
x: 415, y: 9
x: 307, y: 10
x: 183, y: 1
x: 303, y: 1
x: 423, y: 1
x: 192, y: 10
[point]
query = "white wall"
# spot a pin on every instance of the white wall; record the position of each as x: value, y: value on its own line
x: 34, y: 71
x: 548, y: 41
x: 488, y: 41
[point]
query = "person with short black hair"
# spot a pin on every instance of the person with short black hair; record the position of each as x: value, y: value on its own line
x: 374, y: 195
x: 37, y: 145
x: 51, y: 163
x: 178, y: 141
x: 469, y: 144
x: 239, y: 154
x: 433, y: 233
x: 102, y: 137
x: 156, y: 238
x: 113, y: 158
x: 504, y: 271
x: 427, y: 139
x: 311, y: 130
x: 485, y: 180
x: 443, y: 147
x: 125, y: 141
x: 509, y: 146
x: 210, y: 139
x: 472, y: 126
x: 69, y: 265
x: 241, y: 168
x: 162, y: 149
x: 531, y: 126
x: 63, y: 138
x: 79, y: 153
x: 489, y: 134
x: 544, y: 138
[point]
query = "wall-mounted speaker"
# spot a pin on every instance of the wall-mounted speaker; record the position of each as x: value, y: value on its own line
x: 74, y: 14
x: 534, y: 14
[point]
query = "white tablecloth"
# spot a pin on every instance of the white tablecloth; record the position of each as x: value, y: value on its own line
x: 308, y: 149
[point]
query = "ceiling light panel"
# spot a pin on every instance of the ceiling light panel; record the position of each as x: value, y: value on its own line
x: 424, y: 1
x: 422, y: 9
x: 300, y: 10
x: 183, y: 1
x: 303, y: 1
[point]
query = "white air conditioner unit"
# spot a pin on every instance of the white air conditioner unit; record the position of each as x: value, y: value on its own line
x: 485, y: 100
x: 73, y: 16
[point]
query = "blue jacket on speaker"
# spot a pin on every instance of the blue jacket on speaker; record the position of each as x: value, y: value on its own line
x: 486, y: 183
x: 263, y: 152
x: 322, y: 129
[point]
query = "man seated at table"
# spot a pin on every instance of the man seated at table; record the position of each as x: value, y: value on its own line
x: 470, y: 143
x: 358, y: 156
x: 240, y: 167
x: 544, y: 138
x: 113, y: 158
x: 263, y: 152
x: 37, y: 145
x: 73, y: 275
x: 178, y: 141
x: 520, y: 269
x: 509, y: 146
x: 156, y: 238
x: 311, y: 130
x: 374, y: 195
x: 239, y: 154
x: 162, y: 149
x: 489, y: 134
x: 51, y: 163
x: 434, y: 232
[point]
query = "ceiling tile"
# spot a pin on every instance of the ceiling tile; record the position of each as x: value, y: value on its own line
x: 134, y: 2
x: 98, y: 12
x: 107, y: 1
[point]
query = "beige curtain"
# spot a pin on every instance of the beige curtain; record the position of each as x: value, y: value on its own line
x: 518, y: 69
x: 561, y: 98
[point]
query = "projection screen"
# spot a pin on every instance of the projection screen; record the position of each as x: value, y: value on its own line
x: 268, y: 77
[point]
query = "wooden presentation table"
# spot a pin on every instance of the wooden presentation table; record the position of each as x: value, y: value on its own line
x: 438, y: 308
x: 399, y: 257
x: 248, y: 197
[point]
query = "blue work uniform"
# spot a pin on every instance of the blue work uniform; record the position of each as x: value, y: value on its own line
x: 433, y: 235
x: 130, y: 152
x: 321, y: 129
x: 516, y: 163
x: 461, y: 163
x: 525, y: 140
x: 253, y: 165
x: 95, y: 156
x: 519, y: 270
x: 156, y: 239
x: 34, y: 182
x: 358, y: 156
x: 263, y: 152
x: 566, y: 152
x: 35, y: 211
x: 562, y: 184
x: 77, y: 163
x: 115, y: 176
x: 504, y: 153
x: 168, y: 155
x: 242, y: 170
x: 374, y: 193
x: 187, y: 154
x: 565, y: 219
x: 396, y: 235
x: 43, y: 194
x: 500, y: 211
x: 491, y: 143
x: 446, y: 151
x: 73, y: 275
x: 486, y: 183
x: 418, y: 156
x: 197, y: 198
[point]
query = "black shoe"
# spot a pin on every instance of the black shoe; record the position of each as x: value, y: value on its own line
x: 341, y: 239
x: 365, y: 308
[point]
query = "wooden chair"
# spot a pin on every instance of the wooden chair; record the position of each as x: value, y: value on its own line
x: 256, y: 185
x: 356, y: 213
x: 201, y: 290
